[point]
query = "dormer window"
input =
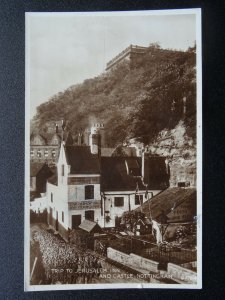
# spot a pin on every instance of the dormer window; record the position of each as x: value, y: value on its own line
x: 132, y: 167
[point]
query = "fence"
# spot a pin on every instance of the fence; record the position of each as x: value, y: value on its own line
x: 149, y: 250
x: 38, y: 217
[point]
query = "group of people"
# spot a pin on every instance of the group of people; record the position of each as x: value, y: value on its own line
x: 63, y: 262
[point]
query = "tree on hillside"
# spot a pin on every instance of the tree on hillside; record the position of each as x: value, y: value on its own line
x: 137, y: 102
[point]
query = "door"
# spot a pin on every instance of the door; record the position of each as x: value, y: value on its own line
x: 76, y: 220
x: 50, y: 217
x: 56, y: 221
x: 89, y: 215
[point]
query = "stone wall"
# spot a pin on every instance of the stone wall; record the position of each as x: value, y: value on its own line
x: 180, y: 150
x: 133, y: 260
x: 181, y: 274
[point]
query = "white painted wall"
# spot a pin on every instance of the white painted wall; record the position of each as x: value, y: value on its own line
x: 97, y: 216
x: 39, y: 204
x: 114, y: 211
x: 77, y: 192
x: 59, y: 203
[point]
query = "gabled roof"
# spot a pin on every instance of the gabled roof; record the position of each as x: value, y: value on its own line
x: 130, y: 151
x: 37, y: 139
x: 89, y: 226
x: 107, y: 151
x: 167, y: 201
x: 81, y: 160
x: 127, y: 151
x: 115, y: 176
x: 156, y: 173
x: 55, y: 136
x: 49, y: 138
x: 132, y: 163
x: 35, y: 168
x: 54, y: 178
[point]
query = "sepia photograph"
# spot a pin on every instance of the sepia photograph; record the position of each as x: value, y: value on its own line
x: 113, y: 150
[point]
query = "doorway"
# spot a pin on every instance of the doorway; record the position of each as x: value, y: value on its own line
x: 76, y: 220
x: 57, y: 221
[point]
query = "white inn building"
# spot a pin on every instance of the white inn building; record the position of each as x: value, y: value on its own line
x: 89, y: 186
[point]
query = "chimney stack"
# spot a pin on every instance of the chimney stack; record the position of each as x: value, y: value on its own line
x: 95, y: 138
x: 184, y: 107
x: 145, y: 166
x: 79, y: 139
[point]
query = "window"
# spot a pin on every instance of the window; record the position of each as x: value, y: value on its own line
x: 89, y: 192
x: 53, y: 153
x: 181, y: 184
x: 32, y: 153
x: 89, y: 215
x: 51, y: 197
x: 138, y: 199
x: 39, y: 153
x: 119, y: 201
x: 32, y: 182
x: 62, y: 216
x: 46, y: 152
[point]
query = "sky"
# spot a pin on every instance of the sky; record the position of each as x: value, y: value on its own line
x: 63, y: 49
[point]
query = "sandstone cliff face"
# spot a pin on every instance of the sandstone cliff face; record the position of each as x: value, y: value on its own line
x: 180, y: 151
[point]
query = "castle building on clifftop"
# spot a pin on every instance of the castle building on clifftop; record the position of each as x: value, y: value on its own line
x: 130, y: 54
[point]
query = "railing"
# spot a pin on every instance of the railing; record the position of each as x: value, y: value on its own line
x: 125, y: 52
x: 152, y: 251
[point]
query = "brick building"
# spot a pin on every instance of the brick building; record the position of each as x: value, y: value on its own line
x: 45, y: 147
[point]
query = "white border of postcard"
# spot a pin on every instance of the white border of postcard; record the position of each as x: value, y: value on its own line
x: 27, y: 286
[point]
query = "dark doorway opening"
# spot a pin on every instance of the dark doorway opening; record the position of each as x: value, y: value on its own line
x: 57, y: 221
x: 51, y: 217
x: 76, y: 220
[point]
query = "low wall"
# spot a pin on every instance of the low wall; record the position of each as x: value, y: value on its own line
x: 132, y: 260
x: 190, y: 265
x: 144, y: 263
x: 181, y: 274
